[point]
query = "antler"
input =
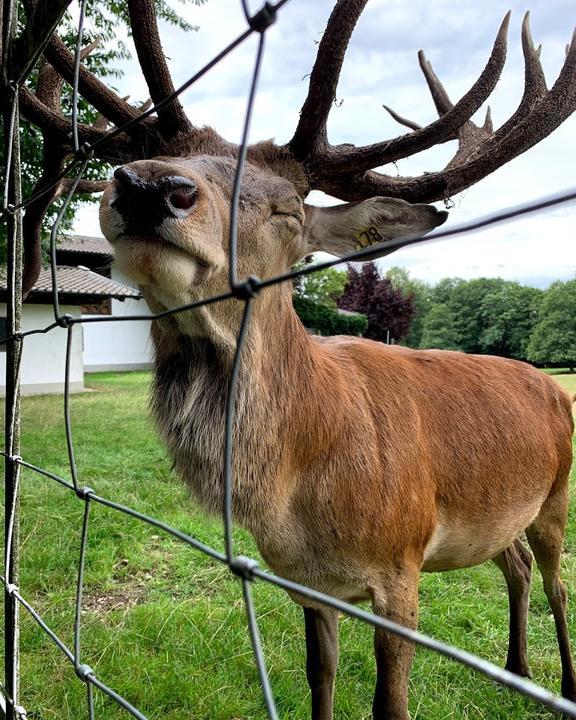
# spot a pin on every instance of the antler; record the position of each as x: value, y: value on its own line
x: 311, y: 135
x: 347, y: 172
x: 44, y: 109
x: 344, y: 171
x: 172, y: 119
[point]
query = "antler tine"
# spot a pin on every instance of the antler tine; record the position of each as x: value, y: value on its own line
x: 172, y: 119
x: 146, y: 105
x: 335, y: 161
x: 439, y: 96
x: 488, y: 126
x: 402, y: 120
x: 89, y: 49
x: 534, y: 80
x: 311, y: 130
x: 437, y: 90
x: 103, y: 122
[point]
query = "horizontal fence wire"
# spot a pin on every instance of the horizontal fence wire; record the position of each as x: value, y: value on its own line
x: 244, y: 291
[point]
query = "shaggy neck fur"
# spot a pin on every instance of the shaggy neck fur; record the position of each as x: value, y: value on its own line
x: 189, y: 401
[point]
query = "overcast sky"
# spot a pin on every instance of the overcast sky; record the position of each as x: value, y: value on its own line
x: 382, y: 67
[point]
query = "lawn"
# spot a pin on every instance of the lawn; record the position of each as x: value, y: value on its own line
x: 165, y: 626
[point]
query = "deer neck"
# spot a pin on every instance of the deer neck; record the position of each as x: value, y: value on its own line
x: 279, y: 366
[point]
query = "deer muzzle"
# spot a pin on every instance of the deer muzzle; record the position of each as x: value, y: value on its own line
x: 145, y: 204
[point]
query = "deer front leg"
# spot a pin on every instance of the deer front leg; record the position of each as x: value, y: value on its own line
x: 397, y: 600
x: 321, y: 658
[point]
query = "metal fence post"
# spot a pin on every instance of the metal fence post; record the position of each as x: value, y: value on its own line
x: 12, y: 197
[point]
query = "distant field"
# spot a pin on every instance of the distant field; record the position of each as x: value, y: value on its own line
x: 165, y: 626
x: 567, y: 381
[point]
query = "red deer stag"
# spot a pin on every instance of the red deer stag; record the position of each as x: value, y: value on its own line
x: 356, y: 465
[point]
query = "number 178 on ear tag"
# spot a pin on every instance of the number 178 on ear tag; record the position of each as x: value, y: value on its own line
x: 367, y: 237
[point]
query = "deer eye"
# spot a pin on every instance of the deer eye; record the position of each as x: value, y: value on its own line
x: 282, y: 213
x: 287, y: 210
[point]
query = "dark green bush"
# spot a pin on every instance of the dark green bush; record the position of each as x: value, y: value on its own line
x: 326, y: 321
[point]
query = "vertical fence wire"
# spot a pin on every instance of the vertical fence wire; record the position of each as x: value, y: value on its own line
x: 244, y: 291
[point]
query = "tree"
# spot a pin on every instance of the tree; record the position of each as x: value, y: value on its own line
x: 323, y: 287
x: 466, y: 304
x: 388, y: 309
x: 509, y: 316
x: 360, y: 287
x: 485, y: 315
x: 553, y: 341
x: 439, y: 329
x: 442, y: 291
x: 421, y: 298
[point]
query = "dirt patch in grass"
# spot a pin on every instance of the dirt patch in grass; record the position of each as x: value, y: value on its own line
x: 125, y: 594
x: 101, y: 603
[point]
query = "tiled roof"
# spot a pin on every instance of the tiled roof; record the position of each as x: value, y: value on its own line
x: 80, y: 281
x: 84, y: 244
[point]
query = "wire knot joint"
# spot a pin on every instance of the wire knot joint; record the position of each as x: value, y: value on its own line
x: 266, y: 16
x: 84, y: 493
x: 83, y: 671
x: 244, y: 567
x: 84, y: 152
x: 65, y: 321
x: 247, y: 290
x: 11, y: 588
x: 15, y: 458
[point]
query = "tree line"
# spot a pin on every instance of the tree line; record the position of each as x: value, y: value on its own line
x: 489, y: 316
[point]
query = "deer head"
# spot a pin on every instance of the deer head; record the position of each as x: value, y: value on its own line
x: 169, y: 221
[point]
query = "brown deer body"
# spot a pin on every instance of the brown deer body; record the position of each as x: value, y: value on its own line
x: 356, y: 465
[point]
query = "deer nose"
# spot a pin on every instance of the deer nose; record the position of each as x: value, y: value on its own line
x: 144, y: 204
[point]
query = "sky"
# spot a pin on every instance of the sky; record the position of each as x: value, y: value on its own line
x: 381, y: 67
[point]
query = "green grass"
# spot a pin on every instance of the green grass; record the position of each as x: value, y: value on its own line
x: 563, y: 376
x: 165, y: 626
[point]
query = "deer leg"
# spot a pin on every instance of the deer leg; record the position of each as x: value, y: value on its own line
x: 397, y: 600
x: 321, y: 658
x: 516, y: 565
x: 546, y: 535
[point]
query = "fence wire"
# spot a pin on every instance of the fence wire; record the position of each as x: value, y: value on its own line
x: 244, y: 291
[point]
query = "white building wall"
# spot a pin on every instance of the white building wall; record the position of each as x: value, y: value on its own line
x: 123, y: 345
x: 44, y: 355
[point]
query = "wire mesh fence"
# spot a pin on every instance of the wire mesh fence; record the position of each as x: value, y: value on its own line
x: 244, y: 291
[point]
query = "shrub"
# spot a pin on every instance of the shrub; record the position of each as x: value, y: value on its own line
x: 325, y: 321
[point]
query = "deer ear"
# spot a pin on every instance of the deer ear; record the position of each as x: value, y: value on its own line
x: 341, y: 229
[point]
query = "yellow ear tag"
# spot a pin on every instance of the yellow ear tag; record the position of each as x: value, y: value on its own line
x: 368, y: 236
